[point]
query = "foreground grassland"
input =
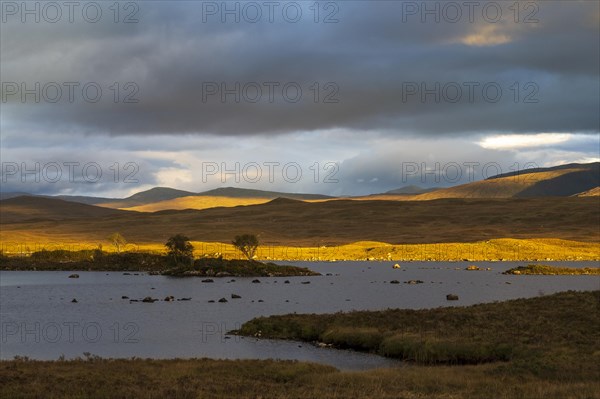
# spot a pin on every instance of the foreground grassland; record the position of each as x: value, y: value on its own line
x: 553, y: 352
x: 506, y: 249
x: 546, y: 270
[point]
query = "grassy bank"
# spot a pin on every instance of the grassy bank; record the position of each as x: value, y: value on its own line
x: 507, y: 249
x: 553, y: 270
x: 97, y: 260
x: 222, y: 379
x: 549, y: 335
x: 554, y: 341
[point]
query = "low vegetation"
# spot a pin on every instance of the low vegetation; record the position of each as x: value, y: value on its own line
x: 554, y: 341
x: 546, y: 335
x: 97, y: 260
x: 553, y: 270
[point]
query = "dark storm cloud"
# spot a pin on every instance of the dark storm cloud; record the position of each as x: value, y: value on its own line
x: 371, y: 55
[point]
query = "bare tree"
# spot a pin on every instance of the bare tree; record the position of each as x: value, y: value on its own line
x: 247, y: 244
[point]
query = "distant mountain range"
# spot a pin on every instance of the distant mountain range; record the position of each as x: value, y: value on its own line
x: 165, y: 194
x: 560, y: 181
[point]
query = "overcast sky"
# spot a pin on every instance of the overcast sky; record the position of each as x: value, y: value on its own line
x: 342, y: 98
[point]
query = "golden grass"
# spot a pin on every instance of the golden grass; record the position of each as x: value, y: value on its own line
x: 506, y: 249
x: 196, y: 202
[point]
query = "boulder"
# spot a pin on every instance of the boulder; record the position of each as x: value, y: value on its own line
x: 413, y: 282
x: 208, y: 280
x: 148, y: 299
x: 256, y: 281
x: 396, y: 266
x: 124, y: 297
x: 74, y: 300
x: 394, y: 282
x: 222, y: 300
x: 235, y: 296
x: 473, y: 267
x: 169, y: 298
x: 74, y: 276
x: 451, y: 297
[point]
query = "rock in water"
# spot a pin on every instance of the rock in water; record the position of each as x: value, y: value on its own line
x: 451, y: 297
x: 74, y: 276
x: 235, y: 296
x: 222, y: 300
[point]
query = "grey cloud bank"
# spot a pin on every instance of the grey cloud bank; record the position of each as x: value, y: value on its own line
x: 199, y: 82
x: 423, y: 77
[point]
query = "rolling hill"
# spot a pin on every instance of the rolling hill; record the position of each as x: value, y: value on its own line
x: 197, y: 202
x: 562, y: 181
x: 39, y: 209
x: 153, y: 195
x: 410, y: 190
x: 220, y: 197
x: 293, y: 222
x: 233, y: 192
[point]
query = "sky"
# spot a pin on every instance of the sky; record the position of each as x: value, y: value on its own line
x: 331, y: 97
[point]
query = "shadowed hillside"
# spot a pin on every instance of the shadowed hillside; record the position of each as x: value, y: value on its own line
x: 285, y: 221
x: 29, y: 209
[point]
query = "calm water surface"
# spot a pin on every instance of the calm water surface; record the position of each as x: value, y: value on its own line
x: 39, y: 320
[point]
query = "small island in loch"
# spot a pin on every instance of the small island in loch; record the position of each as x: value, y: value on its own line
x: 545, y: 270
